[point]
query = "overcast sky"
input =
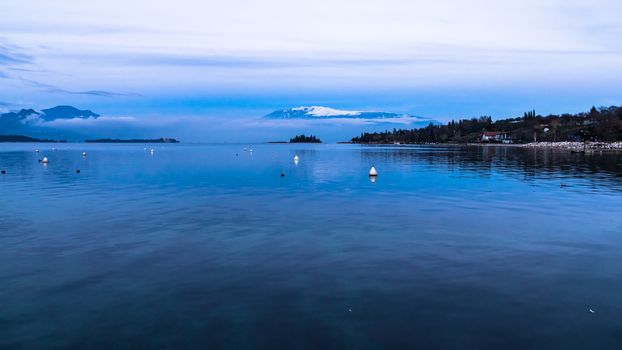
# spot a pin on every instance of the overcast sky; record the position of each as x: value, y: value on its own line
x: 443, y: 59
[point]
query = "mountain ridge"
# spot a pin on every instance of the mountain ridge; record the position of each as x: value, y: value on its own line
x: 40, y: 124
x: 67, y: 112
x: 30, y: 116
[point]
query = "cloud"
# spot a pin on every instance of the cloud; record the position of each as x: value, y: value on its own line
x: 288, y: 123
x: 90, y: 122
x: 11, y: 55
x: 57, y: 90
x: 15, y: 69
x: 99, y: 93
x: 77, y: 29
x: 249, y: 61
x: 443, y: 56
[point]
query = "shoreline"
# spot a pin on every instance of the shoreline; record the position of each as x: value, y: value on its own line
x: 577, y: 146
x: 562, y: 145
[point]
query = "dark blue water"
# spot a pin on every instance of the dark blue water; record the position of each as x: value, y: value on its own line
x: 197, y: 247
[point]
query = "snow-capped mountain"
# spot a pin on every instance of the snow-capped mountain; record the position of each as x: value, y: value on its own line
x: 319, y: 112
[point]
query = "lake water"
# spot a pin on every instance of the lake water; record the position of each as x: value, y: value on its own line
x: 207, y: 246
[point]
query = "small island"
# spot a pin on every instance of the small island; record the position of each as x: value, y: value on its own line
x: 22, y: 138
x: 304, y: 139
x: 160, y: 140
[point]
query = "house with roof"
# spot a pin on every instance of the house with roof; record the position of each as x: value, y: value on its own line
x: 496, y: 137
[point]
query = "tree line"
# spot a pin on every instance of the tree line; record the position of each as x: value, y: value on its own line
x: 304, y: 139
x: 599, y: 124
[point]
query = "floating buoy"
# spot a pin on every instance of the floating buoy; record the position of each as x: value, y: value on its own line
x: 44, y: 160
x: 372, y: 171
x: 296, y: 157
x: 83, y: 154
x: 151, y: 151
x: 36, y: 151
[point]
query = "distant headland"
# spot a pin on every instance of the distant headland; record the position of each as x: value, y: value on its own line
x: 160, y: 140
x: 22, y: 138
x: 599, y: 125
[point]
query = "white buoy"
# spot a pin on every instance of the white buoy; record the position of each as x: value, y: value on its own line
x: 45, y: 160
x: 373, y: 172
x: 151, y: 151
x: 36, y: 151
x: 83, y: 154
x: 296, y: 158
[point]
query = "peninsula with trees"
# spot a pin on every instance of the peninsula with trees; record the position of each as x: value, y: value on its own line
x: 22, y: 138
x: 602, y: 124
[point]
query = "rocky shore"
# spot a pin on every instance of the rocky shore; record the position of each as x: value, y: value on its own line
x: 577, y: 146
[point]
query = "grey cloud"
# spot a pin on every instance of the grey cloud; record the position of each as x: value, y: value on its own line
x: 595, y: 52
x: 100, y: 93
x: 55, y: 89
x: 440, y: 54
x: 70, y: 28
x: 240, y: 61
x: 10, y: 55
x: 24, y: 70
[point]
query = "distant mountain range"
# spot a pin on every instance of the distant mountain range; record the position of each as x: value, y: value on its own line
x: 40, y: 124
x: 66, y: 112
x: 74, y: 124
x: 319, y: 112
x: 29, y: 117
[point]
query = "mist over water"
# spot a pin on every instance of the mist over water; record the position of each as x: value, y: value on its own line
x: 231, y: 128
x: 207, y: 246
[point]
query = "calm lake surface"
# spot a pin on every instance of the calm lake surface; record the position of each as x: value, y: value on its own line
x: 197, y: 247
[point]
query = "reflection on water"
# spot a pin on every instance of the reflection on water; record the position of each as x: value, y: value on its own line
x: 206, y: 246
x: 529, y: 164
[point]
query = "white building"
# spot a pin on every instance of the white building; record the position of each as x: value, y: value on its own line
x: 496, y: 136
